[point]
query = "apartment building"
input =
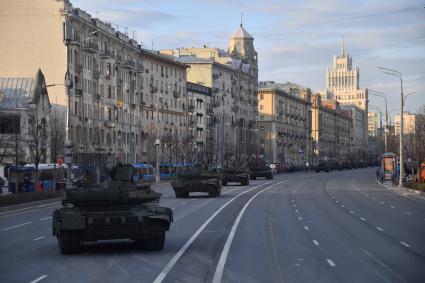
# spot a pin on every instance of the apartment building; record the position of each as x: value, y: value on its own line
x: 284, y: 125
x: 200, y: 123
x: 332, y: 130
x: 121, y: 98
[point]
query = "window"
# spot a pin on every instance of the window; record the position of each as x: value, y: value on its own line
x: 10, y: 125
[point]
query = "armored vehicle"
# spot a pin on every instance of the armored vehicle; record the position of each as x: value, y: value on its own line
x: 122, y: 209
x: 260, y: 169
x: 197, y: 180
x: 233, y: 174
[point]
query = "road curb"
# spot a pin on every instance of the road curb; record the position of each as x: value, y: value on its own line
x: 28, y: 205
x: 404, y: 191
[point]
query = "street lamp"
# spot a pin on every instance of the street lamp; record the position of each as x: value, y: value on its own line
x: 399, y: 75
x: 381, y: 94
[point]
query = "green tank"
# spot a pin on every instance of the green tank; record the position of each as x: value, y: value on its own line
x: 197, y: 180
x: 260, y: 169
x: 122, y: 209
x: 235, y: 174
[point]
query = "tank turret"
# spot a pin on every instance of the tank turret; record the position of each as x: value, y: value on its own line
x: 122, y: 190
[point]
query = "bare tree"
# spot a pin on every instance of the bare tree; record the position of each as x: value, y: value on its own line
x: 57, y: 130
x: 38, y: 138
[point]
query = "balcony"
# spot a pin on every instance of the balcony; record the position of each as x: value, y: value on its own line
x: 176, y: 94
x: 78, y: 92
x: 90, y: 47
x: 96, y: 74
x: 235, y: 108
x: 190, y: 107
x: 216, y: 103
x: 78, y: 68
x: 119, y: 81
x: 118, y: 59
x: 109, y: 124
x: 210, y: 111
x: 191, y: 123
x: 216, y: 90
x: 153, y: 89
x: 75, y: 39
x: 140, y: 68
x: 129, y: 64
x: 105, y: 54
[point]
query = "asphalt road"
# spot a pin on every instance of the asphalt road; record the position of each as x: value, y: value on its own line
x: 301, y: 227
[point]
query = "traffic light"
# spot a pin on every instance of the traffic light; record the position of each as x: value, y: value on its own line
x: 68, y: 152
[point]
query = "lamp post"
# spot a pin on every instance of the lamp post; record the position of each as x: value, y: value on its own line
x: 380, y: 94
x: 399, y: 75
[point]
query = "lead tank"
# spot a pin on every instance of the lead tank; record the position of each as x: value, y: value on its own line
x: 258, y: 169
x: 121, y: 209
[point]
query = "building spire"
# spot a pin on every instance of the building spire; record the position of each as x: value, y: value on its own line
x: 241, y: 18
x: 343, y: 48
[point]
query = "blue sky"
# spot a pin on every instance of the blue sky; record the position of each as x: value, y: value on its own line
x: 295, y: 40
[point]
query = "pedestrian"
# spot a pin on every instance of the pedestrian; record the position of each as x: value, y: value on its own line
x: 1, y: 185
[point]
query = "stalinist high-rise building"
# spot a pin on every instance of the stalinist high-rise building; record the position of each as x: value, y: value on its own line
x: 342, y: 82
x: 342, y: 85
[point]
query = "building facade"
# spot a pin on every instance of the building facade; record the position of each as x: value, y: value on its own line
x: 332, y: 131
x: 200, y: 123
x: 121, y: 98
x: 411, y: 123
x: 233, y: 79
x: 372, y: 124
x: 284, y: 125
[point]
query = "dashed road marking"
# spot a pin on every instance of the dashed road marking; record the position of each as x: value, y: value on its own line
x: 336, y: 201
x: 330, y: 262
x: 296, y: 210
x: 362, y: 219
x: 352, y: 212
x: 16, y: 226
x: 382, y: 202
x: 173, y: 208
x: 300, y: 218
x: 45, y: 218
x: 373, y: 198
x: 39, y: 238
x: 380, y: 229
x: 306, y: 228
x: 38, y: 279
x: 408, y: 213
x: 342, y: 206
x: 392, y: 206
x: 366, y: 195
x: 184, y: 203
x: 315, y: 242
x: 405, y: 244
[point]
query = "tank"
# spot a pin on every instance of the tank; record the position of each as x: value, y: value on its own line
x: 235, y: 174
x: 121, y: 209
x: 260, y: 169
x: 197, y: 180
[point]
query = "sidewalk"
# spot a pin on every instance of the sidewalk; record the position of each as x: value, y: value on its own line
x: 404, y: 191
x: 29, y: 205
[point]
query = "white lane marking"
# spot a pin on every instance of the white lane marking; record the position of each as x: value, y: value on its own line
x: 184, y: 203
x: 381, y: 202
x: 366, y: 195
x: 342, y: 205
x: 392, y: 206
x: 352, y: 212
x: 336, y: 201
x: 294, y: 205
x: 38, y: 279
x: 306, y: 228
x: 167, y: 268
x: 222, y: 261
x: 300, y: 218
x: 27, y: 209
x: 173, y: 208
x: 315, y: 242
x: 194, y: 199
x: 39, y: 238
x: 362, y: 219
x: 45, y: 218
x: 380, y: 229
x: 408, y: 213
x: 330, y: 262
x: 296, y: 210
x: 384, y: 266
x: 405, y: 244
x: 16, y: 226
